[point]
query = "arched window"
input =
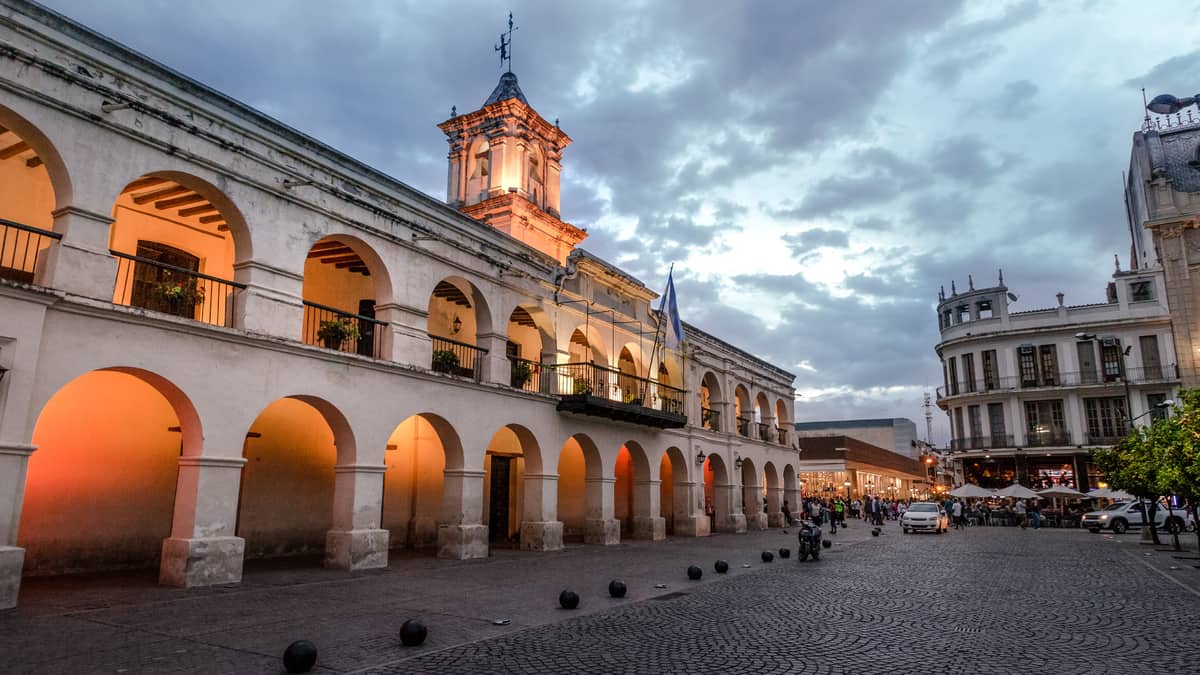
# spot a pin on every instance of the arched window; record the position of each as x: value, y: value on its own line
x: 535, y: 179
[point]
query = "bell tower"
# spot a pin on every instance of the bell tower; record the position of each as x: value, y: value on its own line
x: 505, y: 164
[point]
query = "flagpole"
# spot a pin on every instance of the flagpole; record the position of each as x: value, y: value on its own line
x: 657, y: 333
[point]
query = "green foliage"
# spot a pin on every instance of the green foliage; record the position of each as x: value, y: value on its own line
x: 334, y: 333
x: 445, y: 361
x: 522, y: 372
x: 1161, y: 459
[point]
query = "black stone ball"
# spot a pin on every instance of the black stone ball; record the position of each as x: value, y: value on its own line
x: 722, y: 567
x: 875, y: 532
x: 412, y: 633
x: 785, y: 531
x: 785, y: 553
x: 300, y: 656
x: 825, y: 543
x: 568, y: 599
x: 616, y: 588
x: 767, y: 556
x: 694, y: 573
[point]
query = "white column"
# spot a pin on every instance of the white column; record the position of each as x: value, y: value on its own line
x: 462, y: 534
x: 80, y: 262
x: 540, y: 528
x: 735, y: 520
x: 407, y: 340
x: 203, y: 549
x: 356, y: 542
x: 600, y: 526
x: 271, y: 303
x: 647, y: 524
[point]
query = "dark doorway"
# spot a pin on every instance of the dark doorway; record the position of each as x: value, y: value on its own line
x: 366, y: 329
x: 498, y: 499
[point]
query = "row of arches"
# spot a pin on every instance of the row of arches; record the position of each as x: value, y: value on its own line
x: 182, y: 246
x: 105, y: 487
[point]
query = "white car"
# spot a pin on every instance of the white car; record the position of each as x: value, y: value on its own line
x: 1121, y: 516
x: 926, y: 516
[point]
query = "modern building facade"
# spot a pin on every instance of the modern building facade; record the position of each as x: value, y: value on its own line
x: 221, y: 339
x: 846, y: 466
x: 1029, y: 393
x: 898, y: 434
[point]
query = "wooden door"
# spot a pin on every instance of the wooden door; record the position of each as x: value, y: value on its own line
x: 498, y: 499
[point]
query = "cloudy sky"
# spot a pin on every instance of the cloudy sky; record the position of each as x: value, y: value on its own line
x: 814, y: 170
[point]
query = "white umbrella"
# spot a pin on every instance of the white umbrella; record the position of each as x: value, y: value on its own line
x: 1100, y: 493
x: 1119, y: 494
x: 1017, y: 491
x: 1060, y: 491
x: 970, y: 490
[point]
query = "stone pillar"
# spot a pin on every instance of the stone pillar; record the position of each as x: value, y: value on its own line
x: 601, y: 527
x: 407, y: 340
x: 775, y: 507
x: 647, y: 524
x: 356, y: 541
x: 540, y: 528
x: 203, y: 549
x: 80, y: 262
x: 734, y: 520
x: 496, y: 367
x: 271, y: 303
x: 752, y: 498
x: 462, y: 534
x: 690, y: 520
x: 14, y: 462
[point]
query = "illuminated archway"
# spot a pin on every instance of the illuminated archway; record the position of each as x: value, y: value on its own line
x: 287, y: 495
x: 582, y: 508
x: 773, y: 491
x: 710, y: 402
x: 100, y: 489
x: 344, y: 281
x: 633, y: 496
x: 673, y: 494
x: 741, y: 410
x: 511, y: 454
x: 419, y: 451
x: 459, y: 319
x: 530, y: 344
x: 33, y: 184
x: 717, y: 493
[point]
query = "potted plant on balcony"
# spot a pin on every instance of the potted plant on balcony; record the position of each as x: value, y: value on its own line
x: 179, y: 294
x: 333, y: 334
x: 522, y: 372
x: 633, y: 398
x: 445, y: 361
x: 582, y: 387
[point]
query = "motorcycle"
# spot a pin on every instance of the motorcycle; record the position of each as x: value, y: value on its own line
x: 810, y: 541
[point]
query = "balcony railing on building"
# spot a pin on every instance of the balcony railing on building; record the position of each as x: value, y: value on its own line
x: 21, y: 250
x: 990, y: 442
x: 342, y: 331
x: 781, y: 435
x: 457, y: 358
x: 178, y: 291
x: 590, y: 389
x: 743, y: 426
x: 1047, y: 439
x: 710, y: 419
x: 764, y: 431
x: 1142, y: 375
x: 1111, y: 437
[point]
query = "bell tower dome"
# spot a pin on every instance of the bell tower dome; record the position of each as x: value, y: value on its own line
x: 505, y: 164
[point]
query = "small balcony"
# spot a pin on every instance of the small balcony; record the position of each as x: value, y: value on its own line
x: 991, y: 442
x: 1111, y: 437
x: 342, y: 331
x: 781, y: 436
x: 21, y: 249
x: 1167, y: 372
x: 764, y: 431
x: 589, y: 389
x: 710, y: 419
x: 457, y: 358
x: 178, y: 291
x: 1048, y: 439
x: 743, y: 426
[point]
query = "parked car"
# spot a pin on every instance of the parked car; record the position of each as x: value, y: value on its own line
x: 1120, y: 516
x: 925, y: 516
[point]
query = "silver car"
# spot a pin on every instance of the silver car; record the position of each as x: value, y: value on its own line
x: 925, y: 516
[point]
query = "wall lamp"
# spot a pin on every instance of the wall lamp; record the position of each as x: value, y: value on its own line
x: 700, y: 458
x: 737, y: 461
x: 457, y: 325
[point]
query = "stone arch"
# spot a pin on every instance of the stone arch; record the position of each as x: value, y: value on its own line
x: 636, y: 495
x: 345, y: 280
x: 710, y: 401
x: 419, y: 452
x: 675, y: 497
x: 584, y: 497
x: 741, y: 409
x: 718, y: 504
x: 773, y: 490
x: 479, y: 168
x: 512, y: 455
x: 78, y: 512
x: 292, y: 447
x: 586, y: 341
x: 629, y: 370
x: 34, y: 184
x: 49, y: 159
x: 531, y: 342
x: 460, y: 327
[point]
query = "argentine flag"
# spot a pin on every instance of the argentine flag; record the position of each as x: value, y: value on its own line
x: 669, y: 312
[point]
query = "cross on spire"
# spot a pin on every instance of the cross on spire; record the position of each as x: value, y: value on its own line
x: 505, y: 46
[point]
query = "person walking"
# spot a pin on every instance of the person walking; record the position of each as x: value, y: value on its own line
x: 958, y: 514
x: 1019, y: 513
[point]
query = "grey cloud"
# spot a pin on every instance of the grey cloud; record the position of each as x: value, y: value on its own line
x: 969, y: 160
x: 806, y: 242
x: 1015, y: 102
x: 1177, y: 75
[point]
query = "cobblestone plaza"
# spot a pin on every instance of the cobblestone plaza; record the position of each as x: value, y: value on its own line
x: 982, y: 600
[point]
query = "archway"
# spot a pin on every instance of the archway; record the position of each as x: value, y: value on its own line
x: 773, y: 491
x: 752, y: 497
x: 585, y: 496
x: 512, y: 455
x: 762, y: 418
x: 286, y: 507
x: 530, y: 344
x: 675, y: 497
x: 710, y: 402
x: 718, y: 497
x: 628, y: 378
x: 459, y: 318
x: 741, y: 410
x: 419, y: 451
x: 636, y: 496
x: 31, y: 175
x: 781, y: 419
x: 100, y: 489
x: 344, y: 281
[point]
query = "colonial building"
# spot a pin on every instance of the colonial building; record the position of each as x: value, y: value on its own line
x: 221, y: 339
x: 1030, y: 393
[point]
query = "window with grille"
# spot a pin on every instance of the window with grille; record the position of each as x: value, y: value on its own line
x: 990, y: 378
x: 1027, y: 364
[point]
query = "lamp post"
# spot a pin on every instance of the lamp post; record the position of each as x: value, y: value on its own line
x: 847, y: 484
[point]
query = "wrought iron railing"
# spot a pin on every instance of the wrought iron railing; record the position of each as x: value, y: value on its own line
x: 1161, y: 373
x: 1164, y: 372
x: 20, y: 250
x: 764, y: 431
x: 743, y: 426
x: 530, y: 376
x: 159, y: 287
x: 577, y: 379
x: 1101, y: 438
x: 343, y: 331
x: 781, y: 435
x: 710, y: 419
x: 1047, y: 439
x: 457, y: 358
x: 982, y: 442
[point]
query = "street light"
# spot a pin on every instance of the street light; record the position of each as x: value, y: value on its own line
x: 847, y: 484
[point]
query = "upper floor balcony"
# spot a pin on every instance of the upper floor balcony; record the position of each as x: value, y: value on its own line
x: 990, y: 385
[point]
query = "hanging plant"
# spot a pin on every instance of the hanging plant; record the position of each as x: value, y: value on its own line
x: 334, y: 333
x: 444, y: 361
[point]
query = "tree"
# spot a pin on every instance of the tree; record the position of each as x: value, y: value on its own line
x: 1133, y: 466
x: 1180, y: 474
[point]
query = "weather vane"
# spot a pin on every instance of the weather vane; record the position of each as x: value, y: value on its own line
x: 505, y: 46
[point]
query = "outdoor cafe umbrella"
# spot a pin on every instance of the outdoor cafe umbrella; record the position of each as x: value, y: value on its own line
x: 1061, y: 491
x: 970, y: 490
x: 1017, y: 491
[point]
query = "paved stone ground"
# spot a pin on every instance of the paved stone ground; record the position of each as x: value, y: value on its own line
x: 982, y: 600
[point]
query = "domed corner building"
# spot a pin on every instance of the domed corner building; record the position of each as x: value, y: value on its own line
x: 222, y: 340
